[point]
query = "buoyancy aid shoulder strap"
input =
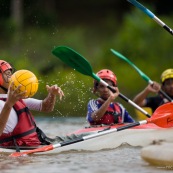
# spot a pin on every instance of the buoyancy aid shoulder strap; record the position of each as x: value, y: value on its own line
x: 123, y: 110
x: 18, y: 111
x: 23, y: 109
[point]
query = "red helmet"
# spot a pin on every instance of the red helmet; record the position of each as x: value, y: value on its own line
x: 3, y: 67
x: 106, y: 74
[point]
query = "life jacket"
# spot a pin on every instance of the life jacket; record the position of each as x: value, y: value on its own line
x: 111, y: 116
x: 24, y: 134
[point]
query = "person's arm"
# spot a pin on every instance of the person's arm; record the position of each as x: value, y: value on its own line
x: 49, y: 102
x: 101, y: 111
x: 4, y: 115
x: 12, y: 98
x: 140, y: 98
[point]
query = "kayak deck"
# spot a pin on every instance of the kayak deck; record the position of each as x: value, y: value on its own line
x: 101, y: 128
x: 139, y: 136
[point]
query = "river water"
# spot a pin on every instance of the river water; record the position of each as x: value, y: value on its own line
x: 121, y: 160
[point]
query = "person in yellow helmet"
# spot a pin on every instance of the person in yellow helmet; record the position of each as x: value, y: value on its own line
x: 144, y: 100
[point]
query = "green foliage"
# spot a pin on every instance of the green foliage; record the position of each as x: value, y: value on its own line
x: 145, y: 43
x: 139, y: 38
x: 77, y: 90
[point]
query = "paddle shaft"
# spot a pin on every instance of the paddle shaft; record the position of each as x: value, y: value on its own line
x: 126, y: 99
x: 151, y: 15
x: 80, y: 139
x: 162, y: 92
x: 100, y: 134
x: 80, y: 64
x: 144, y: 76
x: 162, y: 117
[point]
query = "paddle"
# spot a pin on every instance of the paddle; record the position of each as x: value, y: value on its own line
x: 144, y: 76
x: 151, y: 15
x: 79, y: 63
x: 162, y: 117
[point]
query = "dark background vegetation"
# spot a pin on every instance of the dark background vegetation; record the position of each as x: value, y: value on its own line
x: 31, y: 29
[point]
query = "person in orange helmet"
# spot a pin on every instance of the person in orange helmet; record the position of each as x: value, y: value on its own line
x: 143, y: 99
x: 104, y: 110
x: 17, y: 125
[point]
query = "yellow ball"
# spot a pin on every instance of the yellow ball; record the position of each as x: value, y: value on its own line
x: 27, y: 80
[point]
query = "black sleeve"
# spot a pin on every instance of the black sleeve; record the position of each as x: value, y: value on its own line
x: 154, y: 102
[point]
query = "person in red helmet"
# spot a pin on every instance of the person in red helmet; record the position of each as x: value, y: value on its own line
x: 5, y: 74
x: 17, y: 125
x: 104, y: 110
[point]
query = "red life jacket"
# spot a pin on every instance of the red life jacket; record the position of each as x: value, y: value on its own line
x: 111, y: 116
x: 24, y: 134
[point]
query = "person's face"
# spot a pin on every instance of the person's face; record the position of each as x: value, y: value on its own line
x: 6, y: 76
x: 168, y: 86
x: 103, y: 91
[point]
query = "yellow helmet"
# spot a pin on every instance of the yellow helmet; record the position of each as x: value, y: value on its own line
x: 166, y: 75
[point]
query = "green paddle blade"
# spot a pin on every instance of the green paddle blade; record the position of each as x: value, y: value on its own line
x: 74, y: 60
x: 145, y: 77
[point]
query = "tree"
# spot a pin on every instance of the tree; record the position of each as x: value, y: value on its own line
x: 17, y: 14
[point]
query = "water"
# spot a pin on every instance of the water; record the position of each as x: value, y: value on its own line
x: 121, y: 160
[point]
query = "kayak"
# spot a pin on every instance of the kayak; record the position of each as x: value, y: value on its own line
x: 160, y: 154
x: 142, y: 135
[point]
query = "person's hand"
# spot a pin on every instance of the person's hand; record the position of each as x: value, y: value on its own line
x: 55, y: 90
x: 155, y: 87
x: 113, y: 96
x: 14, y: 94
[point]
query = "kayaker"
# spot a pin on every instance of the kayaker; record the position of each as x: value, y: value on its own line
x: 144, y: 100
x: 104, y: 109
x: 17, y: 125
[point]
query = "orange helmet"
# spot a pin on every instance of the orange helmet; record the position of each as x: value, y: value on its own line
x: 3, y: 67
x: 106, y: 74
